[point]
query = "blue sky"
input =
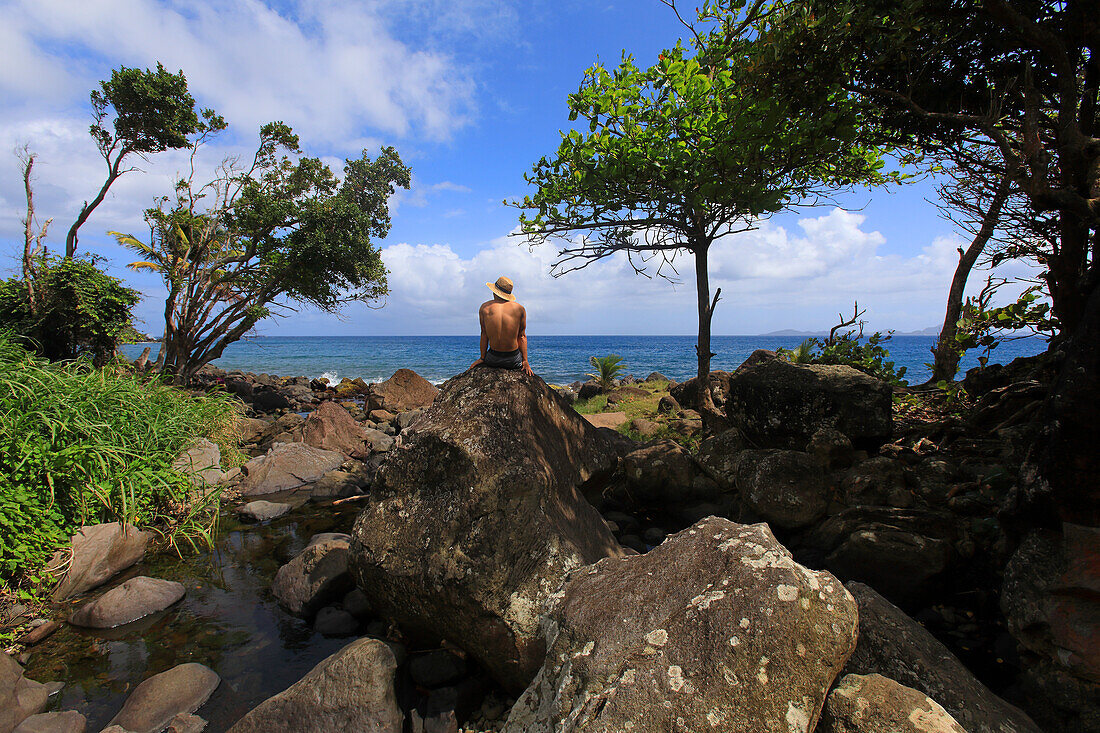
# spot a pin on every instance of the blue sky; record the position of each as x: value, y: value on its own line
x: 471, y: 92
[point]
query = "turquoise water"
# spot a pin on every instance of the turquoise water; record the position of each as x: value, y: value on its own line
x: 558, y: 359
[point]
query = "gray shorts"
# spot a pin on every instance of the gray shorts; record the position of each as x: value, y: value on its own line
x: 503, y: 359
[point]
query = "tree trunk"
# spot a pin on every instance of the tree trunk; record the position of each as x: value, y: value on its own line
x: 704, y: 401
x: 946, y: 354
x: 86, y: 210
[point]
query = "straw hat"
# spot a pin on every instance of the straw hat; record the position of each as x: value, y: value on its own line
x: 502, y: 288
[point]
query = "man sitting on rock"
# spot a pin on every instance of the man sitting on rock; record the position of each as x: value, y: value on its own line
x: 503, y: 329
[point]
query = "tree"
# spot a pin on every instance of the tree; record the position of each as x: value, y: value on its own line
x: 153, y: 112
x: 34, y: 251
x: 686, y: 153
x: 250, y: 242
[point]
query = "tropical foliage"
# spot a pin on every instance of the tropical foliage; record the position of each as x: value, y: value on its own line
x: 80, y: 446
x: 608, y: 368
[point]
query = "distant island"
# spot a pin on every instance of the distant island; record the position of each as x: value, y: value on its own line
x: 929, y: 331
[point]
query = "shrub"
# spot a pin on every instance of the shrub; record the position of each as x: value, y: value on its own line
x: 80, y: 445
x: 83, y: 310
x: 607, y: 369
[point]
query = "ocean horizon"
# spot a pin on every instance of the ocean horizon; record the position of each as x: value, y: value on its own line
x: 557, y: 359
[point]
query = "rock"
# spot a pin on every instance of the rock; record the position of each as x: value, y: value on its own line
x: 332, y: 621
x: 136, y: 598
x: 606, y: 419
x: 718, y: 456
x: 895, y: 646
x: 436, y: 668
x: 589, y: 389
x: 356, y: 603
x: 339, y: 484
x: 202, y: 462
x: 320, y: 384
x: 644, y: 428
x: 476, y: 519
x: 664, y: 474
x: 654, y: 536
x: 185, y: 723
x: 240, y: 386
x: 686, y: 393
x: 716, y: 629
x: 1051, y: 602
x: 268, y: 399
x: 656, y: 377
x: 877, y: 481
x: 899, y: 552
x: 688, y: 427
x: 157, y: 700
x: 625, y: 394
x: 381, y: 416
x: 38, y: 632
x: 262, y: 511
x: 98, y: 553
x: 777, y: 404
x: 379, y: 441
x: 286, y: 466
x: 668, y: 405
x: 406, y: 419
x: 69, y: 721
x: 20, y: 698
x: 758, y: 356
x: 782, y: 487
x: 831, y: 448
x: 318, y: 574
x: 876, y: 704
x: 350, y: 691
x: 331, y: 428
x: 405, y: 390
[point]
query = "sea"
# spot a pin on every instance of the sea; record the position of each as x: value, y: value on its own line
x: 558, y: 359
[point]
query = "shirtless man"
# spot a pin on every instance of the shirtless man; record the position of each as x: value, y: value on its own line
x: 503, y: 329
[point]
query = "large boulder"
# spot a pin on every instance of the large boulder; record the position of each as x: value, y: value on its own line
x: 900, y: 552
x: 350, y: 691
x: 686, y: 393
x: 316, y: 575
x: 663, y: 474
x: 330, y: 427
x: 97, y: 554
x: 1051, y: 601
x: 156, y: 701
x: 716, y: 629
x: 405, y: 390
x: 69, y: 721
x: 879, y: 481
x: 876, y: 704
x: 20, y: 697
x: 202, y: 462
x: 475, y: 520
x: 777, y: 404
x: 783, y: 487
x: 136, y: 598
x: 895, y: 646
x: 286, y: 466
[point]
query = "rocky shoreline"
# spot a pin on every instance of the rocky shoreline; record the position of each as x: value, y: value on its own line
x: 516, y: 566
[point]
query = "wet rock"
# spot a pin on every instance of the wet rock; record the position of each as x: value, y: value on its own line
x: 185, y: 723
x: 20, y: 697
x: 316, y: 575
x: 405, y: 390
x: 716, y: 629
x: 286, y: 466
x: 157, y: 700
x: 782, y: 487
x: 350, y: 691
x: 262, y: 511
x: 777, y: 404
x: 97, y: 554
x: 686, y: 393
x: 899, y: 552
x: 895, y: 646
x: 332, y: 621
x: 718, y: 456
x: 331, y: 428
x: 69, y: 721
x: 876, y: 704
x: 136, y: 598
x: 878, y: 481
x: 202, y: 462
x: 831, y: 448
x: 476, y: 519
x: 436, y: 668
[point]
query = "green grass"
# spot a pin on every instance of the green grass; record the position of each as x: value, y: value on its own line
x: 81, y: 446
x: 639, y: 407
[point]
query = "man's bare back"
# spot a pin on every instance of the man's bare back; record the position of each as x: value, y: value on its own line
x: 503, y: 333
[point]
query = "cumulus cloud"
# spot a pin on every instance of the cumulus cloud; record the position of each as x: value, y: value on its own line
x: 770, y: 279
